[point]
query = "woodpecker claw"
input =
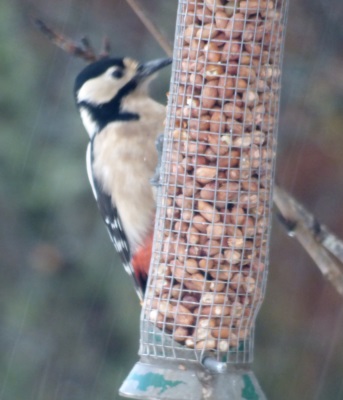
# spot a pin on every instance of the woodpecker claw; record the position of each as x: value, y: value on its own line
x: 288, y: 224
x: 155, y: 180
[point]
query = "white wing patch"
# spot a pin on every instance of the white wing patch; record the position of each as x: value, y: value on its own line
x: 90, y: 172
x: 129, y: 270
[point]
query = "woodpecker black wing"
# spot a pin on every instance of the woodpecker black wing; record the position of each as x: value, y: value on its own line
x: 113, y: 223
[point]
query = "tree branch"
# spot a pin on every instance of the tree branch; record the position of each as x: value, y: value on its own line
x: 150, y: 26
x: 83, y: 49
x: 324, y: 247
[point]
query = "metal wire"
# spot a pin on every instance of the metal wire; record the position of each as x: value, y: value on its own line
x: 210, y: 256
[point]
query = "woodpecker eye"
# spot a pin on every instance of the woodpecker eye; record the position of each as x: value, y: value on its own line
x: 117, y: 73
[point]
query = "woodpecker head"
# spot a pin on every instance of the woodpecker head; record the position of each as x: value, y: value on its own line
x: 100, y: 89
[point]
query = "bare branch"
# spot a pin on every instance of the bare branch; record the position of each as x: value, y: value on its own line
x: 325, y: 248
x: 83, y: 49
x: 105, y: 48
x: 151, y: 27
x: 87, y: 47
x: 332, y: 244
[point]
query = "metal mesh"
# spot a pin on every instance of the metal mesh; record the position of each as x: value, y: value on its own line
x: 209, y: 264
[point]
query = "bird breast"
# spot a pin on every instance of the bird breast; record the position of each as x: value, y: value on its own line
x: 125, y: 159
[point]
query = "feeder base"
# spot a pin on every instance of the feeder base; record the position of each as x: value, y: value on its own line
x: 157, y: 379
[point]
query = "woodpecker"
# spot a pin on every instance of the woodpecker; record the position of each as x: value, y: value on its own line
x: 123, y: 123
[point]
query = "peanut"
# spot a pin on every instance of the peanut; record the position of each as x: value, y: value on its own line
x: 213, y: 5
x: 184, y: 319
x: 190, y: 302
x: 216, y: 231
x: 204, y: 14
x: 209, y: 344
x: 226, y: 86
x: 210, y: 94
x: 212, y: 72
x: 221, y: 333
x: 217, y: 286
x: 253, y: 6
x: 234, y: 28
x: 197, y: 282
x: 191, y: 265
x: 223, y: 272
x: 180, y: 334
x: 205, y: 174
x: 213, y: 298
x: 208, y: 212
x: 201, y: 334
x: 212, y: 52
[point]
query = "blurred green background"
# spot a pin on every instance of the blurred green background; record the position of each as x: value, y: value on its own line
x: 68, y: 314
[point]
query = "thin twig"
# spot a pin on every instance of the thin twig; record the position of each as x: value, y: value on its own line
x: 83, y: 49
x: 151, y: 27
x: 105, y: 48
x: 324, y: 247
x: 86, y: 46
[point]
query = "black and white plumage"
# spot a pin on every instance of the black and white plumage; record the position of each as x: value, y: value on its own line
x: 122, y: 122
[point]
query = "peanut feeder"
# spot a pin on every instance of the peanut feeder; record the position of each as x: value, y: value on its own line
x: 210, y: 258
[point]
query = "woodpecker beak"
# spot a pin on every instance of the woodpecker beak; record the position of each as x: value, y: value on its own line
x: 147, y: 69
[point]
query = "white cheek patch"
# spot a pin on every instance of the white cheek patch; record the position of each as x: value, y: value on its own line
x: 88, y: 122
x: 98, y: 90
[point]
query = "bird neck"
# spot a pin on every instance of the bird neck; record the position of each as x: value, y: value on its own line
x: 104, y: 114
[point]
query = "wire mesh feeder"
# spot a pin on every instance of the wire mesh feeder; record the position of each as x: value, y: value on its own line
x: 209, y: 264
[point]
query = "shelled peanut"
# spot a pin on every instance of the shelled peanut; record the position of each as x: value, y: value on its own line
x: 208, y: 278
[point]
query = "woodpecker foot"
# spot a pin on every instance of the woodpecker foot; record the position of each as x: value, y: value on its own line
x: 155, y: 180
x: 288, y: 224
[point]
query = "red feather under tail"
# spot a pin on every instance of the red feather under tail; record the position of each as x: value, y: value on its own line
x: 141, y: 261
